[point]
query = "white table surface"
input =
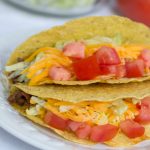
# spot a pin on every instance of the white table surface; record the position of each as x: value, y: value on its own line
x: 15, y: 26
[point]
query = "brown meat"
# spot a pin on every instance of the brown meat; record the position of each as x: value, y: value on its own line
x: 19, y: 98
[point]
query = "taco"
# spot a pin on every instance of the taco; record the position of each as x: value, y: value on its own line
x: 89, y: 50
x: 88, y: 114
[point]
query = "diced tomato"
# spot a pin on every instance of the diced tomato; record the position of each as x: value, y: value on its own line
x: 107, y: 56
x: 103, y: 133
x: 83, y: 131
x: 131, y: 128
x: 107, y: 69
x: 118, y: 70
x: 87, y: 68
x: 135, y: 68
x: 55, y: 121
x: 144, y: 111
x: 75, y: 59
x: 74, y: 125
x: 74, y: 49
x: 59, y: 73
x: 143, y: 116
x: 145, y: 102
x: 145, y: 55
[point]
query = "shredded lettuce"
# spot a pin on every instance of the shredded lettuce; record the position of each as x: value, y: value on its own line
x: 37, y: 100
x: 17, y: 66
x: 119, y: 107
x: 64, y: 108
x: 39, y: 56
x: 38, y: 105
x: 14, y: 74
x: 33, y: 111
x: 61, y: 44
x: 103, y: 120
x: 22, y: 78
x: 117, y: 40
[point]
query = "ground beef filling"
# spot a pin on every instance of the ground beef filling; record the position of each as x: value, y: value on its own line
x: 19, y: 98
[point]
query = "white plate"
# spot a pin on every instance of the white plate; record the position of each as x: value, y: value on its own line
x: 31, y: 133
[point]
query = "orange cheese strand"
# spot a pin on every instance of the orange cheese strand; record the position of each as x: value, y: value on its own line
x: 38, y: 77
x: 53, y: 50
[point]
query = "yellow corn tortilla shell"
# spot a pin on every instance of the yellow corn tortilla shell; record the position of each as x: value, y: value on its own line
x: 120, y: 140
x: 86, y: 28
x: 98, y: 92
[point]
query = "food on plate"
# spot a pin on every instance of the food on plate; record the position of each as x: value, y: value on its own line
x: 51, y: 76
x: 89, y: 50
x: 117, y: 115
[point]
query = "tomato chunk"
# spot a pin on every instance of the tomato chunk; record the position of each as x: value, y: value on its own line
x: 55, y: 121
x: 143, y: 116
x: 83, y: 131
x: 59, y: 73
x: 75, y: 50
x: 120, y: 71
x: 87, y: 68
x: 146, y: 102
x: 131, y: 128
x: 145, y: 55
x: 74, y: 125
x: 107, y: 56
x: 107, y: 69
x: 135, y: 68
x: 144, y: 111
x: 117, y: 70
x: 103, y: 133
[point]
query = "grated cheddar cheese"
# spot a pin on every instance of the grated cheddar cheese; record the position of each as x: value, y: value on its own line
x: 37, y: 72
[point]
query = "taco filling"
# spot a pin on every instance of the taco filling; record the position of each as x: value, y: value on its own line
x: 91, y: 120
x: 82, y: 60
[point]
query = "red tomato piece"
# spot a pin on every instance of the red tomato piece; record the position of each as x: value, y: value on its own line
x: 107, y: 69
x: 59, y: 73
x: 131, y: 128
x: 103, y: 133
x: 143, y: 116
x: 74, y: 125
x: 83, y: 131
x: 118, y: 70
x: 87, y: 68
x: 55, y: 121
x: 107, y: 56
x: 145, y: 102
x: 75, y: 50
x: 135, y: 68
x: 145, y: 55
x: 144, y: 111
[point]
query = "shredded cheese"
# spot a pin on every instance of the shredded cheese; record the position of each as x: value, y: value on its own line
x: 50, y: 57
x: 37, y: 71
x: 92, y: 112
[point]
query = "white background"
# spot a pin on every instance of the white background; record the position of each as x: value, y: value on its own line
x: 15, y: 26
